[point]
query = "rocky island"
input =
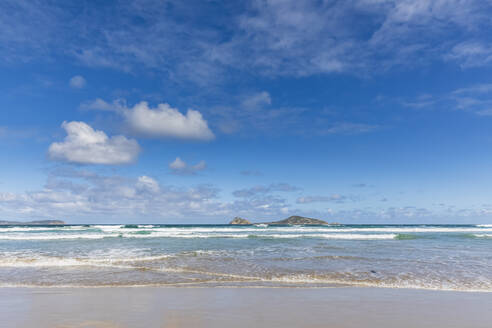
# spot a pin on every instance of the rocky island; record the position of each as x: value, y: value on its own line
x: 292, y: 220
x: 239, y: 221
x: 295, y: 220
x: 39, y: 222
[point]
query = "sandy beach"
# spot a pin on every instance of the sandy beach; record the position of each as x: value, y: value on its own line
x: 242, y: 307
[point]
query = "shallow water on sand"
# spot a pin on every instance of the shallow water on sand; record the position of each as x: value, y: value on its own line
x: 444, y: 257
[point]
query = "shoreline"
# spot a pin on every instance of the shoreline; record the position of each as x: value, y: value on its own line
x: 345, y: 307
x: 211, y: 286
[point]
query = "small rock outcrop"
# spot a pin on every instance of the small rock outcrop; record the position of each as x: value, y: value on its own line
x: 239, y: 221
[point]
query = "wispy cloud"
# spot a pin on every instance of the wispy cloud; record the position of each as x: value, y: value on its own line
x: 254, y: 173
x: 335, y: 198
x: 265, y: 189
x: 471, y: 53
x: 348, y: 128
x: 257, y: 113
x: 261, y: 37
x: 475, y: 99
x: 77, y: 82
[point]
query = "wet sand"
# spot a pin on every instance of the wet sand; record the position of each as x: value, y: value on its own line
x: 242, y: 307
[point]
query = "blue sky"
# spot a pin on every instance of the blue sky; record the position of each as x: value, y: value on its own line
x: 198, y: 111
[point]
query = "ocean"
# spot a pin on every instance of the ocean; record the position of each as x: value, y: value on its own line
x: 440, y: 257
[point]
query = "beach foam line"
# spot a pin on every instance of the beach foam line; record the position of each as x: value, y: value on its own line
x: 46, y: 261
x: 293, y: 229
x: 310, y: 279
x: 66, y: 262
x: 41, y: 237
x: 288, y: 281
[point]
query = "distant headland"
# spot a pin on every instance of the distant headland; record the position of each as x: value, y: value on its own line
x: 39, y: 222
x: 291, y: 220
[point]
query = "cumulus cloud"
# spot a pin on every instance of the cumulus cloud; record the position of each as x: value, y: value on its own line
x: 162, y: 121
x: 180, y: 167
x: 165, y: 121
x: 84, y: 195
x: 77, y: 82
x: 84, y: 145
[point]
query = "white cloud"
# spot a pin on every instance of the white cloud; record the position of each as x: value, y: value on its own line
x: 82, y: 195
x: 165, y: 121
x: 84, y: 145
x: 147, y: 184
x: 77, y: 82
x: 178, y: 164
x: 160, y: 122
x: 85, y: 196
x: 180, y: 167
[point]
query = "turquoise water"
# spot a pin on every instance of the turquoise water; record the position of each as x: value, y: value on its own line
x: 445, y: 257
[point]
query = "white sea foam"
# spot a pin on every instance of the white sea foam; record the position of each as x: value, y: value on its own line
x: 483, y: 235
x: 160, y: 234
x: 359, y: 236
x: 330, y: 236
x: 411, y: 229
x: 151, y: 231
x: 247, y: 257
x: 45, y: 261
x: 259, y: 227
x: 35, y: 229
x: 54, y: 236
